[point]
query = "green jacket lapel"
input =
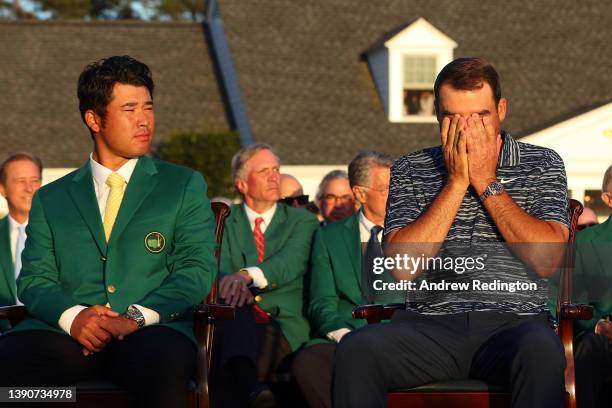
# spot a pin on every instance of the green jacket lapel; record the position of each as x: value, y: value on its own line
x: 244, y: 234
x: 6, y: 260
x: 352, y: 241
x: 602, y: 234
x: 84, y: 197
x: 142, y: 182
x: 275, y: 229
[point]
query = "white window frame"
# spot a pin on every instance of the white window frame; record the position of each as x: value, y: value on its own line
x: 418, y: 39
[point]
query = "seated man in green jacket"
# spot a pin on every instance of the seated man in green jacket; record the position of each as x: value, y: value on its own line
x: 20, y: 178
x: 341, y: 275
x: 264, y: 257
x: 593, y: 285
x: 118, y: 253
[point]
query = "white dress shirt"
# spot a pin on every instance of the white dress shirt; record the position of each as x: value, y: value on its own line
x: 14, y: 234
x: 365, y: 228
x: 102, y: 190
x: 255, y: 272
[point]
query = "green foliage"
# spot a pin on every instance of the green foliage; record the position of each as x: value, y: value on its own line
x: 92, y: 9
x: 207, y: 152
x: 181, y: 9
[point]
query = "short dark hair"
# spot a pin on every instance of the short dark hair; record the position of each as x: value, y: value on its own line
x: 19, y: 156
x: 468, y: 74
x: 96, y: 82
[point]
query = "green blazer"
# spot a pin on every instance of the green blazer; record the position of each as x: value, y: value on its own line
x: 336, y: 279
x: 593, y: 272
x: 8, y: 287
x: 288, y: 239
x: 160, y: 254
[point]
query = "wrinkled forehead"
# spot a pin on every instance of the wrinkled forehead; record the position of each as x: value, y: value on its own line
x: 262, y: 160
x: 22, y: 168
x: 338, y: 186
x: 466, y: 101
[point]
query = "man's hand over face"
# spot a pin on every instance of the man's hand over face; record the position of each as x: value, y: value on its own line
x: 234, y: 289
x: 92, y: 329
x: 454, y: 149
x: 481, y: 151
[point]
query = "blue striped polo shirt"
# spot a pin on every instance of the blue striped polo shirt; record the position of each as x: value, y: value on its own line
x: 535, y: 179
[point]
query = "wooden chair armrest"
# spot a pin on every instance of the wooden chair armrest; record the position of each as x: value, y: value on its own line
x: 376, y: 313
x: 14, y: 314
x: 214, y: 311
x: 576, y: 312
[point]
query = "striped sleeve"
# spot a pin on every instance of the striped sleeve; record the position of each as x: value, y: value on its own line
x: 401, y: 203
x: 551, y: 195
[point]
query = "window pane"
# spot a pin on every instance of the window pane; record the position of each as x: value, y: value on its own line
x: 418, y: 102
x: 419, y: 70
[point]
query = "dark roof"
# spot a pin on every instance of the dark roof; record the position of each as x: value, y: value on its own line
x: 308, y: 91
x: 40, y: 63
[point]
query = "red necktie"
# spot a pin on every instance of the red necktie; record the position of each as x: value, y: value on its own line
x: 260, y: 242
x: 261, y: 317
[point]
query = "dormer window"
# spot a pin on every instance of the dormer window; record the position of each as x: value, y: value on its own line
x: 419, y: 74
x: 405, y: 67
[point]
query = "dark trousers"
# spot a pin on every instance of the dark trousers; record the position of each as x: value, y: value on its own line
x: 245, y: 354
x: 312, y: 370
x: 154, y: 364
x: 521, y: 353
x: 593, y: 360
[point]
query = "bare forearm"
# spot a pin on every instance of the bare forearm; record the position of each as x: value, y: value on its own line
x: 425, y: 235
x: 535, y: 238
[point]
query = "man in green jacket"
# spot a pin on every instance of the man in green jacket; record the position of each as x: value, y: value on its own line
x: 341, y: 277
x: 593, y: 285
x: 118, y: 253
x: 264, y: 256
x: 20, y: 178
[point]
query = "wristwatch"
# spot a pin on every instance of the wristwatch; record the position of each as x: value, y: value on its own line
x: 493, y: 189
x: 134, y: 314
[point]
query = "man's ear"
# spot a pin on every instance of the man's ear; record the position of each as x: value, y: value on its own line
x: 93, y: 121
x: 501, y: 109
x: 606, y: 197
x: 2, y: 190
x: 359, y: 194
x: 241, y: 185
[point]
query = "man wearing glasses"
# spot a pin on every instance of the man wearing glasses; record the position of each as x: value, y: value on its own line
x: 341, y: 276
x: 334, y: 197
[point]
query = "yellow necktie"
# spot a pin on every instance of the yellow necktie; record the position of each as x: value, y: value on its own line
x: 115, y: 182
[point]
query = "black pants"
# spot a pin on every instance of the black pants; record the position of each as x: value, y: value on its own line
x: 521, y: 353
x: 312, y: 370
x: 154, y: 364
x: 244, y: 354
x: 593, y: 359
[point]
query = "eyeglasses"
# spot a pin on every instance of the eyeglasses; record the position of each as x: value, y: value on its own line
x: 332, y: 198
x: 300, y: 200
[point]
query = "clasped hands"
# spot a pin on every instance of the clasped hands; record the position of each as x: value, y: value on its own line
x: 234, y: 289
x: 97, y: 325
x: 470, y: 148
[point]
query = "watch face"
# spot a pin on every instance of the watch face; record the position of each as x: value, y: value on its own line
x: 496, y: 187
x: 492, y: 189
